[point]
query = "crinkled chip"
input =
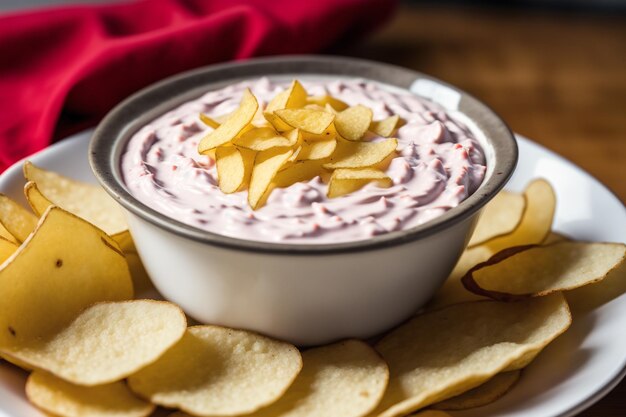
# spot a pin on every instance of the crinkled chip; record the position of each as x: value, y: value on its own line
x: 317, y: 149
x: 266, y: 165
x: 51, y: 279
x: 209, y: 121
x: 106, y: 342
x: 345, y: 181
x: 499, y: 217
x: 216, y: 371
x: 361, y: 154
x: 446, y: 352
x: 233, y: 167
x: 385, y: 127
x: 88, y: 201
x: 345, y: 379
x: 7, y: 248
x: 62, y: 398
x: 353, y: 122
x: 232, y: 126
x: 540, y: 270
x: 18, y: 221
x: 298, y: 172
x: 262, y: 139
x: 536, y: 221
x: 483, y: 394
x: 307, y: 120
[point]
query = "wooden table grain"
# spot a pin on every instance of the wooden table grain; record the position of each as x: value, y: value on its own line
x: 556, y: 77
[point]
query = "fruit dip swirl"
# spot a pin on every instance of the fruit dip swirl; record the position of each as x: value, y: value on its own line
x: 438, y: 163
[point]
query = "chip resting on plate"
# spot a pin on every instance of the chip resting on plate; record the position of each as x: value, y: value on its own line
x: 344, y: 379
x: 499, y: 217
x: 106, y: 342
x: 50, y: 279
x: 216, y: 371
x: 443, y: 353
x: 62, y: 398
x: 536, y: 222
x: 483, y: 394
x: 540, y: 270
x: 16, y: 220
x: 87, y: 201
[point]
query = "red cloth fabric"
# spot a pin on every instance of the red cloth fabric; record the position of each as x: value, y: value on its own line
x: 62, y: 69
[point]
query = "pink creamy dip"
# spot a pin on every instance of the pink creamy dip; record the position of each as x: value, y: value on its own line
x: 439, y: 164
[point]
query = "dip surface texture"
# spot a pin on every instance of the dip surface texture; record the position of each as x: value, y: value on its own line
x: 439, y: 163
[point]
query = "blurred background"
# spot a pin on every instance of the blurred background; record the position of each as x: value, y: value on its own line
x: 555, y: 70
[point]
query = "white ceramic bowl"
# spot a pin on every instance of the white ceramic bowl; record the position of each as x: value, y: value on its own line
x: 306, y: 294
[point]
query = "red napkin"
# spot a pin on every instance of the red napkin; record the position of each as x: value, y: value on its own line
x: 62, y: 69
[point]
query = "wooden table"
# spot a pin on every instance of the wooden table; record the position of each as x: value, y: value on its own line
x: 558, y: 78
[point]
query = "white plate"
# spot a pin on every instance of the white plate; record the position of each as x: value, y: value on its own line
x: 571, y: 374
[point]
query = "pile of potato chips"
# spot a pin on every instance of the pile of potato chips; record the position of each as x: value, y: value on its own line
x: 68, y: 317
x: 295, y: 138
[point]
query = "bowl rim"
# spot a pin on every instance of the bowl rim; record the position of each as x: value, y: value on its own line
x: 116, y: 128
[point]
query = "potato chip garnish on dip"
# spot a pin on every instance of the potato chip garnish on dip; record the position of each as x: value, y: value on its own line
x: 429, y: 160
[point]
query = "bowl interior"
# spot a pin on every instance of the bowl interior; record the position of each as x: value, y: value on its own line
x: 113, y: 133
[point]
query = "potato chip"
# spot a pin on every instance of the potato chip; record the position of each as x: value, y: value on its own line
x: 385, y: 127
x: 483, y: 394
x: 266, y: 165
x: 62, y: 398
x: 345, y: 379
x: 534, y: 271
x: 444, y: 353
x: 431, y: 413
x: 18, y: 221
x: 294, y: 97
x: 231, y: 169
x: 106, y: 342
x: 216, y: 371
x: 262, y: 139
x: 554, y: 237
x: 353, y: 122
x: 589, y: 297
x: 276, y: 122
x: 536, y: 222
x: 307, y: 120
x: 317, y: 149
x: 452, y: 291
x: 361, y: 154
x: 345, y: 181
x: 87, y: 201
x: 208, y: 121
x: 298, y: 172
x: 7, y: 248
x: 327, y: 100
x: 4, y: 233
x: 530, y: 230
x: 51, y: 279
x: 499, y: 217
x: 237, y: 121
